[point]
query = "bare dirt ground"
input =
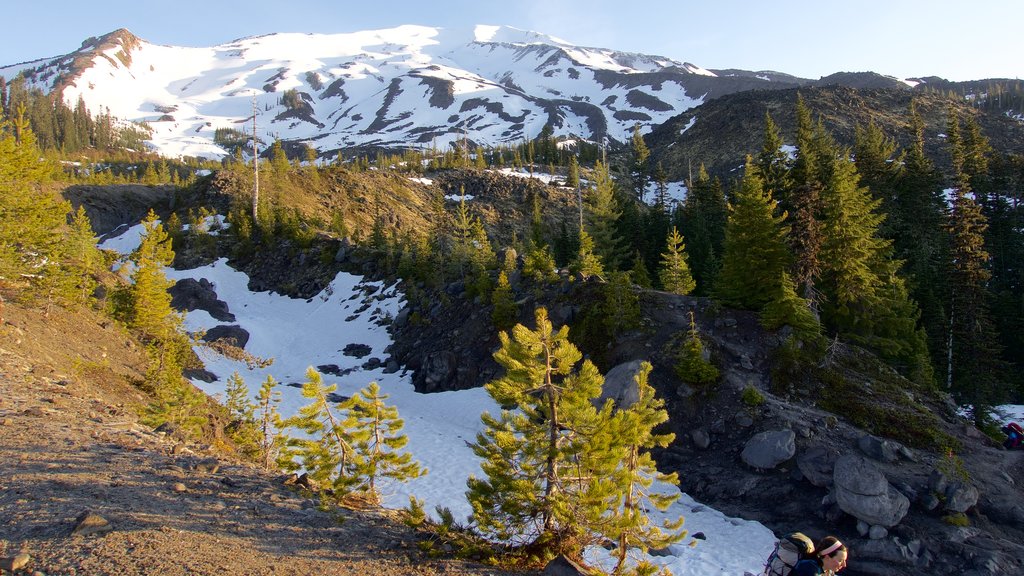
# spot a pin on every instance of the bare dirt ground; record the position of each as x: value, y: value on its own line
x: 70, y: 444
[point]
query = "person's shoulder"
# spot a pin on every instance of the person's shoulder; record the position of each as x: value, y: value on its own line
x: 805, y: 568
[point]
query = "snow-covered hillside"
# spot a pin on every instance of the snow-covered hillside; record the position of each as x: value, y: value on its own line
x: 299, y: 334
x: 404, y: 86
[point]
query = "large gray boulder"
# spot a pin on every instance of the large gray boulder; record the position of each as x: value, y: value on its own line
x: 863, y: 492
x: 766, y: 450
x: 620, y: 386
x: 816, y: 464
x: 879, y: 449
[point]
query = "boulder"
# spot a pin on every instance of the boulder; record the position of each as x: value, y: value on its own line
x: 620, y: 386
x: 229, y: 334
x: 958, y: 495
x: 863, y: 492
x: 89, y: 523
x: 816, y: 464
x: 961, y: 497
x: 438, y: 369
x: 563, y: 566
x: 766, y: 450
x: 189, y: 294
x: 878, y: 449
x: 701, y: 438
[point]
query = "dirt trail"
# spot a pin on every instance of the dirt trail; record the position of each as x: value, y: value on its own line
x: 71, y: 445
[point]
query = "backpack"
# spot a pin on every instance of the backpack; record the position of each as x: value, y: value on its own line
x: 789, y: 550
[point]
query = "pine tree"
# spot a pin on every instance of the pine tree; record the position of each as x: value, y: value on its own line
x: 675, y: 272
x: 242, y: 427
x: 573, y: 178
x: 376, y: 439
x: 703, y: 218
x: 804, y: 202
x: 628, y: 523
x: 974, y: 368
x: 149, y: 303
x: 327, y: 454
x: 917, y: 219
x: 851, y: 243
x: 82, y: 258
x: 587, y: 263
x: 32, y: 220
x: 545, y: 472
x: 786, y: 308
x: 621, y: 304
x: 641, y: 155
x: 272, y: 443
x: 505, y: 312
x: 755, y: 250
x: 639, y: 273
x: 691, y: 366
x: 772, y: 161
x: 602, y: 213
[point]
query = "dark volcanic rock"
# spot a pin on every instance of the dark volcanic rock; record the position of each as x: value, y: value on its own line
x: 234, y: 335
x: 189, y: 294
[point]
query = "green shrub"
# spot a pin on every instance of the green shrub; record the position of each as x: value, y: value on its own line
x: 958, y: 519
x: 752, y: 397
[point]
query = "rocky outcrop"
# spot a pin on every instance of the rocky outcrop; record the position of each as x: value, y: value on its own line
x: 620, y: 386
x: 232, y: 335
x: 766, y: 450
x: 189, y: 294
x: 863, y: 492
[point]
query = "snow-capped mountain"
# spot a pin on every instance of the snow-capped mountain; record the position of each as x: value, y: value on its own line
x: 398, y: 87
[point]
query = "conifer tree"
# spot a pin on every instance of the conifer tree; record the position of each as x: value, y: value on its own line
x: 83, y: 258
x: 639, y: 273
x: 851, y: 243
x: 691, y: 365
x: 772, y: 161
x: 804, y: 202
x: 918, y: 218
x: 241, y: 428
x: 327, y: 454
x: 149, y: 303
x: 621, y: 304
x: 628, y: 522
x: 573, y: 178
x: 641, y: 155
x: 755, y: 250
x: 675, y: 272
x: 542, y: 462
x: 703, y: 218
x: 375, y: 430
x: 272, y: 443
x: 602, y: 213
x: 587, y: 263
x: 786, y: 308
x: 32, y: 220
x: 539, y: 264
x: 505, y: 312
x: 974, y: 368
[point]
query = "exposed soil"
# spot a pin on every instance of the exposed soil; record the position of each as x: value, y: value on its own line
x: 70, y: 443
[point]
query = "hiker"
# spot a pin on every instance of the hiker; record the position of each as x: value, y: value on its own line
x: 830, y: 557
x: 789, y: 550
x: 1014, y: 435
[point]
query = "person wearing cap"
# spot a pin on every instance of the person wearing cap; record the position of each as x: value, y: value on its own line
x: 830, y: 557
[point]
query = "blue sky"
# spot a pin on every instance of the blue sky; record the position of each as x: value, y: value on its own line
x: 902, y: 38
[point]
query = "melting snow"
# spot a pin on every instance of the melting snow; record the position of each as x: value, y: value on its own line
x: 300, y: 333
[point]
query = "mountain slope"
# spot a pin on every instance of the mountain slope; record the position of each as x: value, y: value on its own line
x: 722, y: 131
x: 405, y: 86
